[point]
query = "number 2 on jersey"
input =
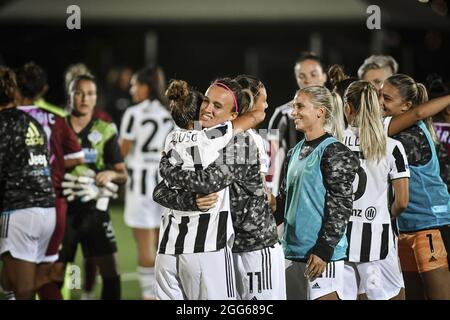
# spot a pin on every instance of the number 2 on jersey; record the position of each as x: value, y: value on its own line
x: 154, y: 129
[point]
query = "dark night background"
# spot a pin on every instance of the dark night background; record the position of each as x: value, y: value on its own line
x: 205, y: 44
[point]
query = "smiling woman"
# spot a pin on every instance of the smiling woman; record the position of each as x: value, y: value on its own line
x: 220, y: 103
x: 315, y: 199
x: 426, y: 211
x: 316, y: 111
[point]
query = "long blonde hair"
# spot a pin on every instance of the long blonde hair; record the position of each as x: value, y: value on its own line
x: 334, y: 115
x: 362, y: 96
x: 415, y: 92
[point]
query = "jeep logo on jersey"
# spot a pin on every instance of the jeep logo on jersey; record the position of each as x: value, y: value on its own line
x: 95, y: 137
x: 36, y: 160
x: 370, y: 213
x: 33, y: 136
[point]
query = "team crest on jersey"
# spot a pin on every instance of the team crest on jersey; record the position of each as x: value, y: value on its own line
x: 95, y: 137
x: 371, y: 213
x: 33, y: 136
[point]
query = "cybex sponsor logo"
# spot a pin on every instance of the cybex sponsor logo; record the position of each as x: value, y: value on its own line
x: 33, y: 136
x: 36, y: 160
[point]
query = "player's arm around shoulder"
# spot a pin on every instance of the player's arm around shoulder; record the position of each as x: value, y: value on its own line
x: 176, y: 199
x: 399, y: 175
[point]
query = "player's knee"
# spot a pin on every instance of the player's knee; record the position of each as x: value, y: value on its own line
x: 57, y: 272
x: 24, y: 291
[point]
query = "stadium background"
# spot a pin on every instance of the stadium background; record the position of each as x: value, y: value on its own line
x: 199, y: 40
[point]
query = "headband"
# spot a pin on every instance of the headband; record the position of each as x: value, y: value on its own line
x: 220, y: 84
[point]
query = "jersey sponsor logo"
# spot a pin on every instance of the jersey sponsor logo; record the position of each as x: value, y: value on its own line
x: 95, y: 137
x: 33, y: 136
x: 90, y: 155
x: 370, y: 213
x: 356, y: 212
x: 37, y: 160
x: 316, y: 286
x: 41, y: 172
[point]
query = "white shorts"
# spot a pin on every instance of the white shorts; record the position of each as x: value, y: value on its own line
x: 140, y: 210
x: 379, y: 280
x: 332, y: 280
x: 195, y: 276
x: 26, y: 233
x: 260, y: 274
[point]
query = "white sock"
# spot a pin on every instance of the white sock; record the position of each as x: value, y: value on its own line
x: 147, y: 282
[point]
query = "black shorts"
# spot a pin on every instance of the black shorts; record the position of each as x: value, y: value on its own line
x: 91, y: 228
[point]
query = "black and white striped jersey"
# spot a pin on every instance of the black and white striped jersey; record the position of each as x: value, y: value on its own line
x: 369, y: 230
x: 147, y: 124
x: 197, y: 231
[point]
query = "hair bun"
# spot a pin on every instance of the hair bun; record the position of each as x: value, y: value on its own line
x: 178, y: 90
x: 336, y: 74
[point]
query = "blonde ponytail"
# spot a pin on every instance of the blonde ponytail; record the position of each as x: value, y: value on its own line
x: 337, y: 117
x: 363, y: 97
